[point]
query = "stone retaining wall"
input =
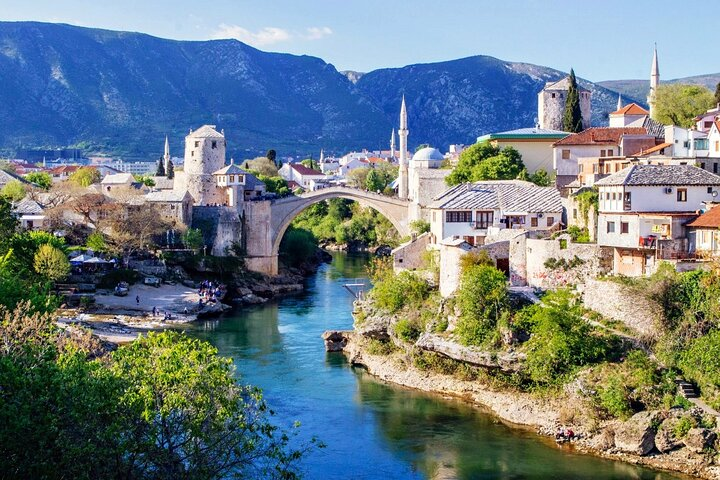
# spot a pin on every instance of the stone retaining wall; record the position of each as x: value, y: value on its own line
x: 619, y: 302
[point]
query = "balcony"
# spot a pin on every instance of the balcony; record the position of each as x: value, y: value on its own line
x: 648, y: 242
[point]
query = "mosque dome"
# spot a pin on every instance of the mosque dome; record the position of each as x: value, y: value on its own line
x: 428, y: 154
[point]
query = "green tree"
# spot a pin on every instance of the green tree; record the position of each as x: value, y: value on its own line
x: 297, y: 245
x: 96, y: 242
x: 469, y: 159
x: 679, y: 104
x: 261, y: 166
x: 420, y: 226
x: 482, y: 297
x: 189, y: 418
x: 41, y: 179
x: 310, y: 163
x: 572, y: 117
x: 274, y: 184
x: 717, y: 93
x: 145, y: 180
x: 561, y: 339
x: 357, y: 177
x: 51, y: 263
x: 421, y: 146
x: 193, y: 238
x: 272, y: 156
x: 14, y: 190
x: 171, y: 170
x: 373, y: 182
x: 505, y: 166
x: 85, y: 176
x: 8, y: 223
x: 160, y: 172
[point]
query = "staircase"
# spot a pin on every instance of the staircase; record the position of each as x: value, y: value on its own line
x: 686, y: 389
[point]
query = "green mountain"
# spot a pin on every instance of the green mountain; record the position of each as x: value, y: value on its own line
x: 121, y: 93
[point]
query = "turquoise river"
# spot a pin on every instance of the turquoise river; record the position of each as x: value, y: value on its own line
x: 373, y: 430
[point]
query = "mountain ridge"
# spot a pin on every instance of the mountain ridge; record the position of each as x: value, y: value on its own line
x: 122, y: 92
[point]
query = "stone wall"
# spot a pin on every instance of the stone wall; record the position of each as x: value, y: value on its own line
x: 409, y: 256
x: 221, y: 227
x: 575, y: 262
x: 259, y: 238
x: 619, y: 302
x: 450, y: 266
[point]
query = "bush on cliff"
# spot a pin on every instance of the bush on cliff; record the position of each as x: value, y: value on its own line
x: 701, y: 364
x: 482, y: 297
x: 394, y: 291
x: 562, y: 340
x: 297, y: 246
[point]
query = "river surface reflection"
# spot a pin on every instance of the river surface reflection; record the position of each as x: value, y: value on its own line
x: 373, y: 430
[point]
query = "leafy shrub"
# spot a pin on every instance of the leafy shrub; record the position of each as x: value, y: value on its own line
x: 297, y: 245
x: 700, y: 363
x: 392, y: 292
x: 407, y: 331
x: 482, y: 296
x: 420, y: 226
x: 683, y: 426
x: 562, y: 340
x: 379, y: 347
x: 578, y: 235
x: 475, y: 257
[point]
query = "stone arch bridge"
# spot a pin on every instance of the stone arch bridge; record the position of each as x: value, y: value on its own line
x: 266, y: 221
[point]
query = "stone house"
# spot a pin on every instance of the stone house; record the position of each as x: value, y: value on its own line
x: 174, y: 206
x: 643, y: 211
x: 596, y: 142
x: 704, y: 233
x: 29, y: 213
x: 116, y: 181
x: 534, y: 144
x: 474, y: 211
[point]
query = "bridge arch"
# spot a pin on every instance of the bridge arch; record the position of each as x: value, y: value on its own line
x: 282, y: 212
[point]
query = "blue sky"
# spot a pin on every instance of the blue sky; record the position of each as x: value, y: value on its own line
x: 601, y: 39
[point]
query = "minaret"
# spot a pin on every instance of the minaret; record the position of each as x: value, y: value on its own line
x: 322, y: 156
x: 619, y: 105
x: 392, y: 146
x: 403, y: 134
x: 166, y: 157
x: 654, y: 82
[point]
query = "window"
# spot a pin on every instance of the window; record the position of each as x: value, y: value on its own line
x: 610, y: 227
x: 232, y: 177
x: 550, y: 221
x: 602, y: 153
x: 566, y: 154
x: 682, y: 194
x: 434, y: 216
x: 702, y: 165
x: 708, y: 124
x: 607, y: 195
x: 534, y: 222
x: 464, y: 216
x: 192, y: 153
x: 624, y: 227
x: 610, y: 152
x: 483, y: 219
x: 197, y: 144
x: 574, y: 212
x: 214, y: 144
x: 709, y: 190
x: 717, y: 146
x: 627, y: 203
x: 715, y: 167
x: 552, y: 95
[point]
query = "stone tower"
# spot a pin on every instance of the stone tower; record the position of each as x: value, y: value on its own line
x: 403, y: 134
x: 654, y: 82
x: 204, y: 155
x: 166, y: 156
x: 551, y: 104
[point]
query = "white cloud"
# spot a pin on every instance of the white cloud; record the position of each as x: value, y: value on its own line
x: 264, y: 36
x: 268, y: 35
x: 316, y: 33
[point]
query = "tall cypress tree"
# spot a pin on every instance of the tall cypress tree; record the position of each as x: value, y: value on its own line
x: 717, y: 93
x: 171, y: 170
x: 572, y: 118
x: 160, y: 172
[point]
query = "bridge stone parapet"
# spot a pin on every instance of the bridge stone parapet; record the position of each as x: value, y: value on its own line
x: 267, y: 220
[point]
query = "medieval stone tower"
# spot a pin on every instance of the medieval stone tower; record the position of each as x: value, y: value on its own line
x: 551, y: 104
x: 204, y: 154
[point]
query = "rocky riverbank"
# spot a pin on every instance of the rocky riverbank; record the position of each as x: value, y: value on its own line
x: 649, y: 438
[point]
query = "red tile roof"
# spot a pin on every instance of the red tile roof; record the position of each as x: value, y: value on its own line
x: 600, y: 136
x: 648, y: 151
x: 631, y: 109
x: 64, y: 169
x: 303, y: 170
x: 709, y: 219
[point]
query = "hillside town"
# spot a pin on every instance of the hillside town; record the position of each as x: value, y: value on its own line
x: 562, y: 274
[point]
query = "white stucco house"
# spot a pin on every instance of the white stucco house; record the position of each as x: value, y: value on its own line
x: 643, y: 210
x: 474, y: 211
x: 535, y: 145
x: 300, y: 174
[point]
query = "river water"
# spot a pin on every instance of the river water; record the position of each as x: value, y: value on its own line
x: 373, y: 430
